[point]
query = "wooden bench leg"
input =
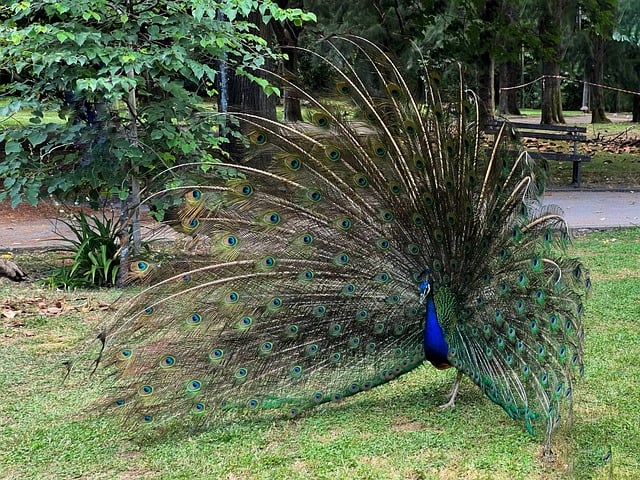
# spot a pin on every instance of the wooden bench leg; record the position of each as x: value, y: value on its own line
x: 576, y: 173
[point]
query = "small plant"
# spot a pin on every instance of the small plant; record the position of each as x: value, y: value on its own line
x: 95, y: 261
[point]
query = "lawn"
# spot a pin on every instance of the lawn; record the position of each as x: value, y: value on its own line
x: 392, y: 432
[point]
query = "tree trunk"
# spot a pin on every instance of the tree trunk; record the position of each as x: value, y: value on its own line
x: 598, y: 114
x: 551, y: 94
x: 130, y: 207
x: 486, y: 61
x: 508, y: 100
x: 636, y: 109
x: 550, y: 33
x: 287, y: 35
x: 248, y: 97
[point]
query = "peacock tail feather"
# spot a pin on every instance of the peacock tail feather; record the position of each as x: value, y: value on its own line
x: 320, y: 269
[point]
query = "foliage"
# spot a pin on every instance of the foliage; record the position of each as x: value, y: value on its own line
x: 94, y: 261
x: 392, y: 432
x: 128, y: 80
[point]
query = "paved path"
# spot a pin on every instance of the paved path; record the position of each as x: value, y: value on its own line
x: 590, y: 209
x: 584, y: 209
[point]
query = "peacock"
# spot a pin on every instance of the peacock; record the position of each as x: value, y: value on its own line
x: 386, y: 231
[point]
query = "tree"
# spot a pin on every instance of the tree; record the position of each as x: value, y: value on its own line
x: 129, y: 81
x: 550, y: 32
x: 628, y: 32
x: 601, y: 18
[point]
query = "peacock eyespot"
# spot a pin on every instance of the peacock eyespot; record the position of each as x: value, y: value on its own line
x: 319, y: 311
x: 382, y: 277
x: 341, y: 259
x: 230, y: 241
x: 272, y: 218
x: 244, y: 323
x: 295, y: 371
x: 259, y: 138
x: 311, y: 350
x: 348, y: 289
x: 120, y: 402
x: 344, y: 224
x: 335, y: 358
x: 386, y: 216
x: 247, y: 190
x: 198, y: 409
x: 216, y: 355
x: 409, y: 127
x: 293, y: 164
x: 361, y: 181
x: 194, y: 319
x: 232, y: 297
x: 382, y: 243
x: 413, y: 249
x: 318, y: 397
x: 362, y: 315
x: 394, y: 90
x: 275, y: 302
x: 314, y: 195
x: 193, y: 224
x: 145, y: 390
x: 195, y: 194
x: 292, y: 330
x: 354, y: 342
x: 147, y: 418
x: 395, y: 188
x: 307, y: 239
x: 320, y: 119
x: 380, y: 151
x: 392, y: 299
x: 266, y: 347
x: 333, y: 154
x: 343, y: 88
x: 335, y: 329
x: 168, y: 361
x: 542, y: 352
x: 194, y: 386
x: 306, y: 276
x: 241, y: 373
x: 142, y: 266
x: 148, y: 310
x: 268, y: 262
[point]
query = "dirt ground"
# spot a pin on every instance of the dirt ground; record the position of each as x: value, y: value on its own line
x: 41, y: 226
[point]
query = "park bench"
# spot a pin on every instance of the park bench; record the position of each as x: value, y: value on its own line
x: 568, y: 133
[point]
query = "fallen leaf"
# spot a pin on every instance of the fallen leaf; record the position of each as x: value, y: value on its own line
x: 9, y: 314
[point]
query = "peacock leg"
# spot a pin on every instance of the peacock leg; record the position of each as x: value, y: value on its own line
x: 454, y: 392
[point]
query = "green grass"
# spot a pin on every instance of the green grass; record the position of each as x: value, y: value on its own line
x: 392, y: 432
x: 22, y: 117
x: 605, y: 170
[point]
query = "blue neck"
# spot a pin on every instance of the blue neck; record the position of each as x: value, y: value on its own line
x: 435, y: 346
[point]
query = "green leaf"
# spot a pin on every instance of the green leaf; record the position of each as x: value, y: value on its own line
x: 36, y: 138
x: 12, y: 146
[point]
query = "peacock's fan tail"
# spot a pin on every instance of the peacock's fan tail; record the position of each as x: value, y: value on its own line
x: 310, y: 288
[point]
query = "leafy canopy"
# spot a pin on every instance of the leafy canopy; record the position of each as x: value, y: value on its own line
x: 84, y: 58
